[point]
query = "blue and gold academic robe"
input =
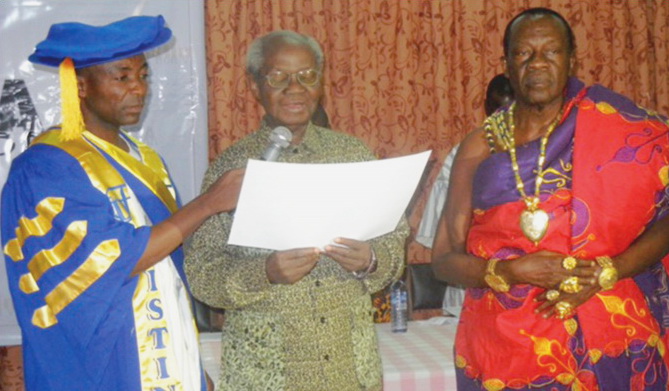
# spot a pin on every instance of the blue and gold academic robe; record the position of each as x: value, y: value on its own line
x: 76, y: 218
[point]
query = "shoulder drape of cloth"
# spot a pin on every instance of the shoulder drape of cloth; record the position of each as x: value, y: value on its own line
x: 606, y: 182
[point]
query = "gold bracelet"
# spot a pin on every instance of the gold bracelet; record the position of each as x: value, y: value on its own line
x: 495, y: 281
x: 609, y: 275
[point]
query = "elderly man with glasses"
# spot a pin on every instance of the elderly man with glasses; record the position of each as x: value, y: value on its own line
x: 297, y: 319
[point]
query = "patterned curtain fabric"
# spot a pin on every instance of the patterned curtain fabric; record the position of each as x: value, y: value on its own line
x: 11, y: 368
x: 407, y: 76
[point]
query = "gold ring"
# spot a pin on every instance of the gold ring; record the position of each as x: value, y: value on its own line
x: 563, y: 309
x: 569, y: 262
x: 552, y: 295
x: 571, y: 285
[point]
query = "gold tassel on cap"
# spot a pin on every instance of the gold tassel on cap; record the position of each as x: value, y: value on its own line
x: 73, y: 121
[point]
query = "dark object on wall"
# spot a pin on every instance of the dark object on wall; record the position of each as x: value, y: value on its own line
x: 425, y: 291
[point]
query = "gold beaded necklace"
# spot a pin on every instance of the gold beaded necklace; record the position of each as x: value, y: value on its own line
x: 533, y: 220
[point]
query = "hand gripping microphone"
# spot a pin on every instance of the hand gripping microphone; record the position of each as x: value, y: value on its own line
x: 279, y: 139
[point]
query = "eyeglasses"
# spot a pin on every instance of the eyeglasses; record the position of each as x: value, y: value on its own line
x: 306, y: 77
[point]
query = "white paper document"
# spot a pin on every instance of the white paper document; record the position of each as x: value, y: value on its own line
x: 287, y: 205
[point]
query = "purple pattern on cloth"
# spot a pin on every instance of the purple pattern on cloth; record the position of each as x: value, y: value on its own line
x: 616, y: 372
x: 662, y: 202
x: 494, y: 182
x: 655, y: 286
x: 580, y: 219
x: 512, y: 299
x: 640, y: 148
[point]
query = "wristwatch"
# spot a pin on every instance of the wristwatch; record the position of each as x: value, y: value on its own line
x: 496, y: 282
x: 609, y: 274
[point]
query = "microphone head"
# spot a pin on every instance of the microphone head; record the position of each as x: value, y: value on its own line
x: 281, y: 136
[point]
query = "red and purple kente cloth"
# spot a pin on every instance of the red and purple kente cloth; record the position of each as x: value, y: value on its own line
x: 606, y: 182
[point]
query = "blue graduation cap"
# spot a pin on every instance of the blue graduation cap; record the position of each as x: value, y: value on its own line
x: 73, y: 45
x: 90, y: 45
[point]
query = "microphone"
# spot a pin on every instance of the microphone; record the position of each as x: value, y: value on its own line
x: 279, y: 139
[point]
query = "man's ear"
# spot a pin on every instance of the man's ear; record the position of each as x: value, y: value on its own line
x: 572, y: 64
x: 81, y: 86
x: 506, y: 66
x: 253, y: 86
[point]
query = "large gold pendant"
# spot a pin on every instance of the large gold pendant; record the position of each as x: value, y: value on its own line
x: 534, y: 223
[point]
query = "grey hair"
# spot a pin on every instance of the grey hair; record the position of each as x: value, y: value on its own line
x: 255, y: 58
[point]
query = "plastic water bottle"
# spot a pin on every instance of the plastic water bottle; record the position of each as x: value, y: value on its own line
x: 399, y: 307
